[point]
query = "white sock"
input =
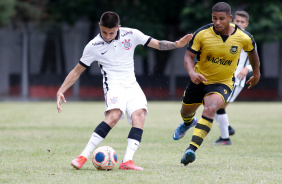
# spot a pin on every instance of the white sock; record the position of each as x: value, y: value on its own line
x: 94, y: 140
x: 132, y: 146
x: 223, y: 123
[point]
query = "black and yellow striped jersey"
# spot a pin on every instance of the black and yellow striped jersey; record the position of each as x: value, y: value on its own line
x: 218, y: 55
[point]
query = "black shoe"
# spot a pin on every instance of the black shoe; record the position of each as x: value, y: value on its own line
x: 222, y: 142
x: 231, y: 130
x: 188, y: 157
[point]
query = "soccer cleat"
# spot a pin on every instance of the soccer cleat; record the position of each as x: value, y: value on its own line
x: 231, y: 130
x: 222, y: 142
x: 182, y: 129
x: 129, y: 165
x: 78, y: 162
x: 188, y: 157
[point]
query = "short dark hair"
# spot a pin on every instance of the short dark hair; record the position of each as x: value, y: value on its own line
x: 222, y: 7
x: 242, y: 14
x: 109, y: 19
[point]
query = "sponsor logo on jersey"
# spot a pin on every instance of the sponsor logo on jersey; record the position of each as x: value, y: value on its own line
x: 126, y: 44
x: 234, y: 49
x: 98, y: 43
x: 225, y: 91
x: 219, y: 60
x: 127, y: 33
x: 114, y: 100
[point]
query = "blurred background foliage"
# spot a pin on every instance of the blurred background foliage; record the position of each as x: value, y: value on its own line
x: 161, y: 19
x: 156, y: 18
x: 7, y: 11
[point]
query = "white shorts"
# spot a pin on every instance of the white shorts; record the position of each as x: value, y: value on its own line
x: 235, y: 92
x: 127, y: 98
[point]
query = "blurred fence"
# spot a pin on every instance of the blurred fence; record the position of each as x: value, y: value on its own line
x: 30, y: 71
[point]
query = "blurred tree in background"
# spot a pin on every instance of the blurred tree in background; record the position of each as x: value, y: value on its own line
x: 20, y: 13
x: 163, y: 19
x: 166, y: 19
x: 266, y: 20
x: 159, y: 19
x: 265, y: 17
x: 6, y: 11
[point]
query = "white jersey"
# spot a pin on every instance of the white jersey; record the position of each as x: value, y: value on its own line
x: 115, y: 58
x: 243, y: 62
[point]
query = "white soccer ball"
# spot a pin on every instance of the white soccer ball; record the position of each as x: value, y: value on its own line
x: 104, y: 158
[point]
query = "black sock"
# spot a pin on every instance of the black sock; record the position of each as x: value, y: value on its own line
x: 135, y: 133
x: 227, y: 139
x: 102, y: 129
x: 192, y: 147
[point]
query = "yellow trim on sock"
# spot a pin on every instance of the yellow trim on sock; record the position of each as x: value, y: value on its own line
x: 194, y: 144
x: 188, y: 119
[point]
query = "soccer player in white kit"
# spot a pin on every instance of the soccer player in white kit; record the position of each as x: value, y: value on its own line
x: 113, y: 50
x: 243, y: 68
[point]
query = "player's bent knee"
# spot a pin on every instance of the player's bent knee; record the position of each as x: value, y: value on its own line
x: 113, y: 116
x: 138, y: 114
x: 210, y: 110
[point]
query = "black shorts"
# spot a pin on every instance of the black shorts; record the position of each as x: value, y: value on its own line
x: 195, y: 94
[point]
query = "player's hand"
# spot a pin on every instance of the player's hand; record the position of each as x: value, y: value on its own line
x: 197, y: 78
x: 183, y: 41
x: 60, y: 98
x: 242, y: 74
x: 253, y: 81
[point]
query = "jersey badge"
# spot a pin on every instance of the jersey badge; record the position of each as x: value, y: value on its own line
x: 126, y: 44
x: 234, y: 49
x: 114, y: 100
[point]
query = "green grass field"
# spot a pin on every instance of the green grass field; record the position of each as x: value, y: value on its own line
x: 37, y: 144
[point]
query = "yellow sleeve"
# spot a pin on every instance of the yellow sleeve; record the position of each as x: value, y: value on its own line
x: 249, y: 44
x: 197, y: 40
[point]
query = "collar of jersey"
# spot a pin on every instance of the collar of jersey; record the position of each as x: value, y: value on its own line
x: 116, y: 38
x: 233, y: 25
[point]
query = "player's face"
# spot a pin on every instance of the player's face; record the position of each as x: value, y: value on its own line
x: 241, y: 22
x: 108, y: 34
x: 221, y: 21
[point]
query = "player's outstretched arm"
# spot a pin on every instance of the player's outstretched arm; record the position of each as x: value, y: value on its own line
x: 183, y: 41
x: 69, y: 81
x: 167, y: 45
x: 254, y: 60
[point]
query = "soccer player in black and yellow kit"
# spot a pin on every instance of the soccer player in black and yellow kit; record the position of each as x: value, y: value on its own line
x: 217, y: 46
